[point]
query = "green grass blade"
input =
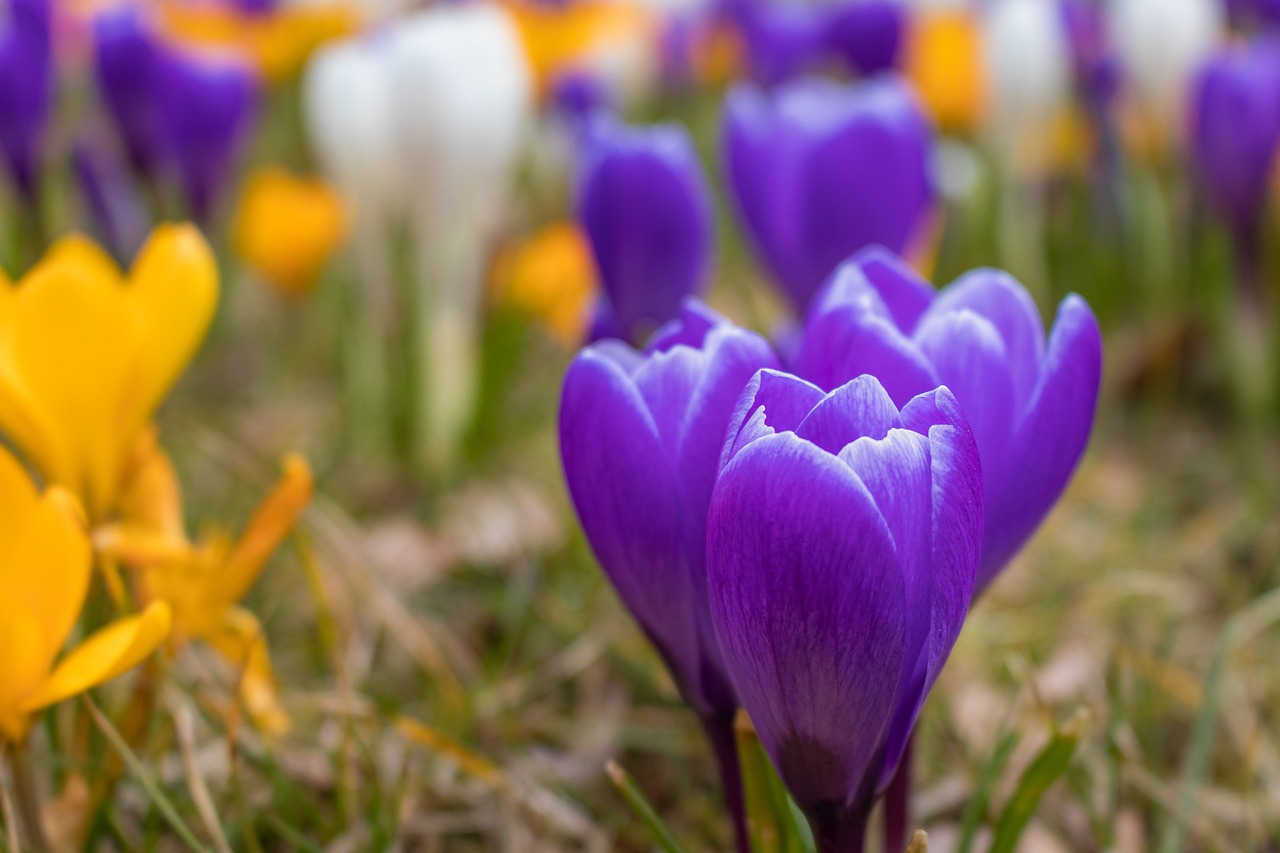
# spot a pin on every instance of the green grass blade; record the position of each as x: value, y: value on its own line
x: 976, y: 809
x: 641, y: 806
x: 1050, y: 764
x: 144, y: 778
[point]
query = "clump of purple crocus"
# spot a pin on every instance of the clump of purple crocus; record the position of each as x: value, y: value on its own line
x: 842, y: 548
x: 640, y: 438
x: 646, y: 208
x: 819, y: 170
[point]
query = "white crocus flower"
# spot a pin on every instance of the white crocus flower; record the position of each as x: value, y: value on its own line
x: 463, y: 96
x: 1028, y: 65
x: 1160, y: 45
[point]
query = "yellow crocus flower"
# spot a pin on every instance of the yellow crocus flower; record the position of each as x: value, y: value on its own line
x: 277, y: 41
x: 87, y: 355
x: 286, y: 228
x: 203, y: 582
x: 45, y: 565
x: 943, y: 58
x: 552, y: 277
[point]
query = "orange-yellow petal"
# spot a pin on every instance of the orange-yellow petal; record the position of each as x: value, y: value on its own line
x: 21, y: 671
x: 552, y: 277
x: 286, y: 228
x: 152, y: 498
x: 270, y: 523
x: 240, y: 640
x: 77, y: 252
x: 46, y: 569
x: 174, y: 287
x: 108, y: 654
x: 943, y: 58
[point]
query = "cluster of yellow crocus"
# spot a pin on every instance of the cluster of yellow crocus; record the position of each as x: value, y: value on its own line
x: 87, y: 353
x: 45, y: 568
x: 551, y: 276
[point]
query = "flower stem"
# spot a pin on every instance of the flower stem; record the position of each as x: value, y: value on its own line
x: 724, y: 743
x: 897, y: 802
x: 27, y: 798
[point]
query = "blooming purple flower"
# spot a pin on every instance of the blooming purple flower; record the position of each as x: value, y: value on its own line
x: 26, y: 88
x: 646, y: 208
x: 207, y: 103
x: 866, y: 35
x: 842, y: 544
x: 1030, y: 403
x: 781, y: 40
x: 126, y: 56
x: 1236, y: 126
x: 819, y: 170
x: 640, y: 438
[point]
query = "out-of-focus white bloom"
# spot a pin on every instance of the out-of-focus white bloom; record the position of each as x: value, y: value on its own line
x: 349, y: 112
x: 1028, y: 63
x: 463, y: 98
x: 1160, y: 44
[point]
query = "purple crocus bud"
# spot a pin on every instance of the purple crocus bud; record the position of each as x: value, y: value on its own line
x: 781, y: 40
x: 118, y: 215
x: 640, y: 438
x: 1030, y: 402
x: 819, y: 170
x: 842, y: 545
x: 866, y: 34
x: 207, y: 102
x: 1236, y: 127
x: 126, y: 63
x: 646, y: 208
x: 1094, y: 63
x: 26, y: 89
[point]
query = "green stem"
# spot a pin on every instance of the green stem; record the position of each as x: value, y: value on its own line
x: 27, y: 798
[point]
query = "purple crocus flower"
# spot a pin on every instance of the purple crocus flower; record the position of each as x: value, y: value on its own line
x: 866, y: 35
x: 1236, y: 127
x: 646, y: 208
x: 26, y: 89
x: 207, y: 103
x: 819, y: 170
x: 842, y: 545
x: 1030, y: 402
x: 640, y: 438
x: 781, y: 40
x: 126, y: 65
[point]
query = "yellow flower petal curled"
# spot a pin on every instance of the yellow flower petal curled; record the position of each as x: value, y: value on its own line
x: 270, y: 524
x: 239, y: 639
x: 21, y: 673
x: 286, y: 228
x: 108, y: 654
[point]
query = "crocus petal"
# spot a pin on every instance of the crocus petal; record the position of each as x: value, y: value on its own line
x: 772, y: 402
x: 999, y: 298
x: 815, y: 654
x: 271, y: 522
x: 107, y: 654
x: 1050, y: 439
x: 615, y: 465
x: 174, y: 282
x: 241, y: 641
x: 23, y: 663
x: 860, y: 407
x: 902, y: 292
x: 971, y: 359
x: 850, y: 340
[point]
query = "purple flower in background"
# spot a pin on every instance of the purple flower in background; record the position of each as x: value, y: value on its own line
x: 126, y: 56
x: 1094, y: 63
x: 865, y: 34
x: 207, y: 103
x: 640, y: 438
x: 26, y: 89
x: 579, y: 94
x: 119, y: 217
x: 842, y: 545
x: 781, y: 40
x: 646, y: 208
x: 1236, y: 127
x: 819, y: 170
x: 1029, y: 402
